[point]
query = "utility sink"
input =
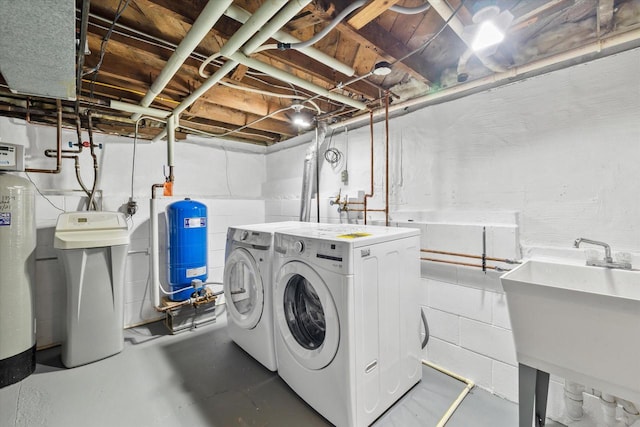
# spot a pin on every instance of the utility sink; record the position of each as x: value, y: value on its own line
x: 578, y: 322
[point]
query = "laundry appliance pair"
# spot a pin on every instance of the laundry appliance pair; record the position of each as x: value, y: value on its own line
x: 345, y: 319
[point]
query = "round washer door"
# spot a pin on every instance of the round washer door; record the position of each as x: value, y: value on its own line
x: 243, y: 289
x: 306, y: 315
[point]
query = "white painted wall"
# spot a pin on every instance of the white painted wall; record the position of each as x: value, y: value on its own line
x: 558, y: 153
x: 226, y: 177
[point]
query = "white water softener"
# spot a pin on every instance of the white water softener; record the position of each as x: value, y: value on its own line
x: 17, y: 269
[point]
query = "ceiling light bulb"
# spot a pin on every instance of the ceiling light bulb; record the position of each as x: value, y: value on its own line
x: 301, y: 120
x: 382, y: 68
x: 488, y: 35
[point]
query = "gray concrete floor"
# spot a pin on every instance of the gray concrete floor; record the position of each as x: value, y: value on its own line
x: 201, y: 378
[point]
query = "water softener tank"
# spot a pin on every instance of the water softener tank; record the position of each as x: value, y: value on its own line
x: 17, y: 270
x: 187, y: 247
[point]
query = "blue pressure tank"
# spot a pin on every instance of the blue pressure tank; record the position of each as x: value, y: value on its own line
x: 187, y: 247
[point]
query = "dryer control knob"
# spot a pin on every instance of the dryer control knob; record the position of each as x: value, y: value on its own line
x: 298, y: 247
x: 244, y: 235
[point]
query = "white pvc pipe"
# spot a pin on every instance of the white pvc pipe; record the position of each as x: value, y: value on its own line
x: 242, y: 16
x: 200, y: 28
x: 280, y: 20
x: 137, y: 109
x: 155, y: 255
x: 241, y: 37
x: 171, y: 138
x: 305, y: 84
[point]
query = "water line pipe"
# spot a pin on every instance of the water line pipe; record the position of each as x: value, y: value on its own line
x: 58, y: 150
x: 370, y: 193
x: 505, y: 260
x: 386, y: 173
x: 95, y: 162
x: 465, y: 264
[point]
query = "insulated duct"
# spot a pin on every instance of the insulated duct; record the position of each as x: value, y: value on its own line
x: 310, y: 172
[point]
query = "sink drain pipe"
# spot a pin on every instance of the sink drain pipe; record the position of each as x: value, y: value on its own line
x: 469, y: 384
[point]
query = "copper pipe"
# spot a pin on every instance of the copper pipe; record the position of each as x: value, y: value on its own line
x: 491, y: 267
x: 154, y: 187
x: 370, y: 193
x: 506, y: 260
x: 368, y: 210
x: 58, y: 144
x: 95, y: 163
x: 386, y: 128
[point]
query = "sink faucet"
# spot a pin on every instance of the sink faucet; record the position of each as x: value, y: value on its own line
x: 608, y: 260
x: 607, y: 248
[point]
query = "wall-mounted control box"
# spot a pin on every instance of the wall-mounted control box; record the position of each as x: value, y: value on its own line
x: 11, y: 157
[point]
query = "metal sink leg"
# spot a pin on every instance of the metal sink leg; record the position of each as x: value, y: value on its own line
x: 533, y: 388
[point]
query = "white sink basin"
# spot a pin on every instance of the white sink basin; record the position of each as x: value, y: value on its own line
x: 578, y: 322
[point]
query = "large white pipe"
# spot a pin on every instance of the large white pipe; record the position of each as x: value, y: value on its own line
x: 270, y: 28
x: 241, y: 15
x: 139, y: 110
x: 200, y: 28
x: 155, y: 255
x: 243, y: 36
x: 251, y: 26
x: 171, y: 139
x: 457, y: 26
x: 283, y: 75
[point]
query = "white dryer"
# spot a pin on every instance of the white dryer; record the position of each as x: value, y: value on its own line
x: 248, y: 289
x: 348, y: 318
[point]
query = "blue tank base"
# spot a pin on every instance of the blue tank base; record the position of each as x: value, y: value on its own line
x: 184, y: 295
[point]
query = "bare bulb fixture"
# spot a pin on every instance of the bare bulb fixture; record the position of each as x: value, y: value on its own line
x: 382, y: 68
x: 299, y: 118
x: 488, y: 29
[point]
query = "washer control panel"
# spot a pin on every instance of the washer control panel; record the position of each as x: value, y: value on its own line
x: 326, y: 253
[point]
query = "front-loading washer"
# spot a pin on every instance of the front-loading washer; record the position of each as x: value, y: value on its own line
x: 347, y: 317
x: 248, y: 290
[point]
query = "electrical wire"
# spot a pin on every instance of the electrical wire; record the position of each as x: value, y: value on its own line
x: 226, y: 169
x: 103, y: 46
x: 423, y: 46
x: 332, y: 155
x: 40, y: 193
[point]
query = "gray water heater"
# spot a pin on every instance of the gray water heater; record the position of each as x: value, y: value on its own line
x: 17, y: 276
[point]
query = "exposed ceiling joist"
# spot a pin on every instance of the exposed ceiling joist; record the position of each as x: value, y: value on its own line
x: 369, y: 12
x: 252, y: 102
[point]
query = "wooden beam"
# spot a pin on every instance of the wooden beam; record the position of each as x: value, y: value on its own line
x: 212, y: 111
x: 369, y: 12
x: 534, y: 15
x: 605, y: 15
x: 239, y: 73
x: 377, y: 39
